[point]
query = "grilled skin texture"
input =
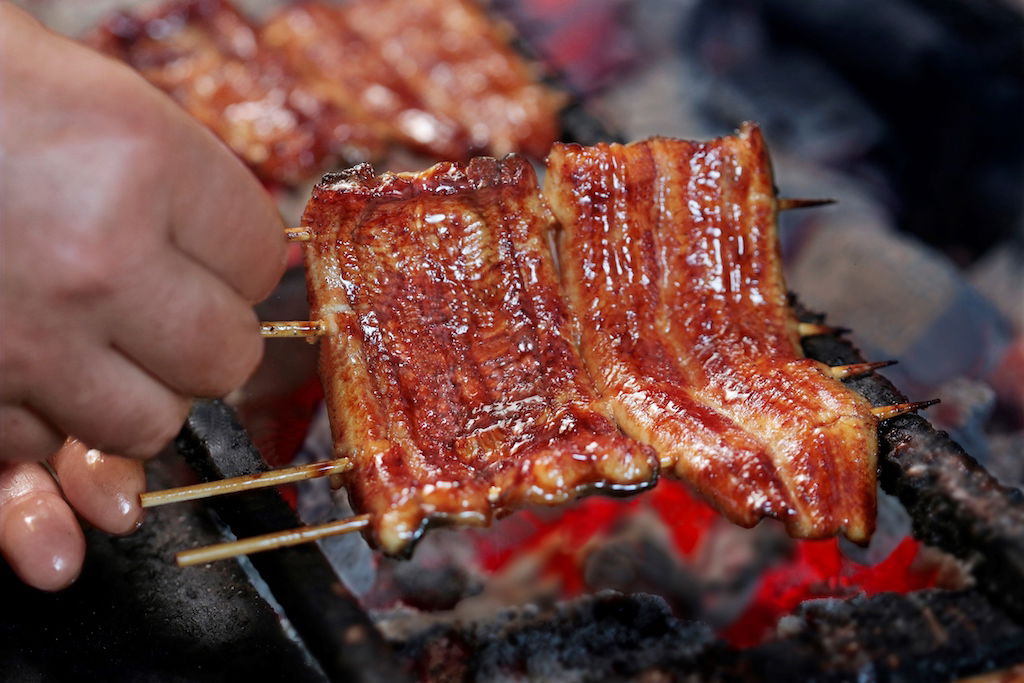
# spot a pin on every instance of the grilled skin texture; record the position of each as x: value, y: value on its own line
x: 670, y: 260
x: 461, y: 65
x: 214, y: 64
x: 351, y: 71
x: 450, y: 375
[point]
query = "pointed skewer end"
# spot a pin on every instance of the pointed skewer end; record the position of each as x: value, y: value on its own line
x: 292, y: 328
x: 789, y: 203
x: 815, y: 329
x: 889, y: 412
x: 858, y: 369
x: 299, y: 233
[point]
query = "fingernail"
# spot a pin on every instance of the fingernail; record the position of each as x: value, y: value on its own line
x: 120, y: 481
x: 104, y: 489
x: 42, y: 541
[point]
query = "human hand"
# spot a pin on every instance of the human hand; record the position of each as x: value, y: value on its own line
x: 132, y: 245
x: 39, y: 535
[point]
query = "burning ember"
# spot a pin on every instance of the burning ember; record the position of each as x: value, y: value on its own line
x: 666, y: 542
x: 567, y: 545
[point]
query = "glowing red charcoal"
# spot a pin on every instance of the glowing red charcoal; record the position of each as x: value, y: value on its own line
x: 562, y: 543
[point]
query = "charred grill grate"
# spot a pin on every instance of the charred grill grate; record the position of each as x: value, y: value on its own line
x: 955, y: 504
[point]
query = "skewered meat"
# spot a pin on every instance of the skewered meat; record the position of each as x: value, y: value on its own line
x: 451, y: 379
x: 210, y: 59
x: 670, y: 259
x: 345, y: 68
x: 320, y: 82
x: 457, y: 60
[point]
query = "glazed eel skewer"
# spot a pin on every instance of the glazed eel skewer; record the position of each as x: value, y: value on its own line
x: 420, y: 235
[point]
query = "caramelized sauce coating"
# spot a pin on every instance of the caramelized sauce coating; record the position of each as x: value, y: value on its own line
x: 670, y: 259
x: 212, y: 62
x: 457, y: 60
x: 349, y: 70
x: 451, y: 377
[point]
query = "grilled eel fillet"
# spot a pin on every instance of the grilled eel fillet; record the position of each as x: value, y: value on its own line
x: 461, y: 65
x: 670, y: 260
x: 451, y: 378
x: 321, y: 82
x: 350, y: 69
x: 213, y: 63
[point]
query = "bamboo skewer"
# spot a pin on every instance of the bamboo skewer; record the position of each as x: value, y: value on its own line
x: 299, y: 233
x: 315, y: 328
x: 271, y: 541
x: 246, y: 482
x: 858, y: 369
x: 307, y: 534
x: 889, y: 412
x: 813, y: 329
x: 788, y: 203
x: 292, y: 328
x: 303, y: 233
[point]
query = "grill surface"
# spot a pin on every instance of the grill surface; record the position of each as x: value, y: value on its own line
x: 955, y: 504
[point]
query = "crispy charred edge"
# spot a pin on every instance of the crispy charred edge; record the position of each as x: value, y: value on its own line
x: 511, y: 173
x: 441, y: 520
x: 748, y: 131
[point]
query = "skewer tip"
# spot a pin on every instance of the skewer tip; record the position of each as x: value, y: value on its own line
x: 299, y: 233
x: 292, y: 328
x: 858, y: 369
x: 789, y: 203
x: 814, y: 329
x: 889, y: 412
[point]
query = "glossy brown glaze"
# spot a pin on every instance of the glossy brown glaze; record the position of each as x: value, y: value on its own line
x: 457, y: 60
x: 670, y: 259
x: 213, y: 63
x: 451, y: 378
x: 348, y: 69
